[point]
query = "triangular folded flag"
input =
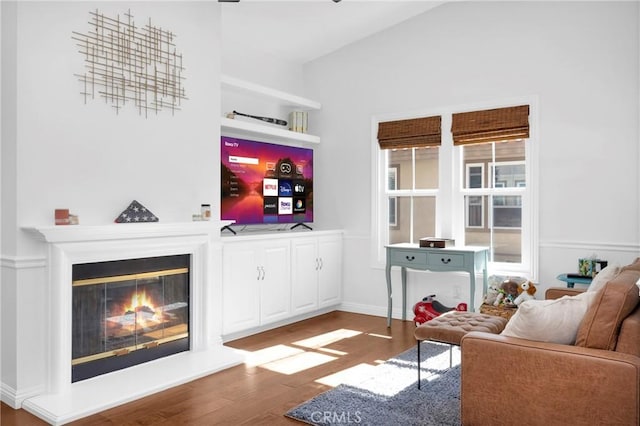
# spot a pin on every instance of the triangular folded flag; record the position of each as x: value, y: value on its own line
x: 136, y: 212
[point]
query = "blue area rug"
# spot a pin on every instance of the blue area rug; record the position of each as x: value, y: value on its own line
x: 390, y: 396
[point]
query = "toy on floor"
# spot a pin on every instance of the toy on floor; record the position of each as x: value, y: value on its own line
x: 526, y: 290
x: 429, y: 308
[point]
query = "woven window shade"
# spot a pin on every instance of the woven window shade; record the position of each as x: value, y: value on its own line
x: 413, y: 133
x: 490, y: 125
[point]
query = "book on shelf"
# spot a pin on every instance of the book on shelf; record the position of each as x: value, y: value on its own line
x: 298, y: 121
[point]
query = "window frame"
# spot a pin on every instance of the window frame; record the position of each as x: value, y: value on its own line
x: 450, y: 195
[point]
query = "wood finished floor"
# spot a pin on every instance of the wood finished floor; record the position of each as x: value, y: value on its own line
x: 255, y: 395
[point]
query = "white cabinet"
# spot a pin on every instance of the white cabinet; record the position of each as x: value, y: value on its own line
x: 269, y: 279
x: 256, y: 284
x: 275, y: 284
x: 247, y: 97
x: 304, y: 265
x: 316, y: 273
x: 329, y: 271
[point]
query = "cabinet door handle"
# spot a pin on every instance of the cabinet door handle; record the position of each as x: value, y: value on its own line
x: 410, y: 258
x: 263, y: 273
x: 258, y: 269
x: 321, y: 263
x: 317, y: 264
x: 445, y: 261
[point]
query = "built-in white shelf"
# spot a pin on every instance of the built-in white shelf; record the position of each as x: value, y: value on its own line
x: 228, y: 124
x: 278, y: 96
x: 232, y: 127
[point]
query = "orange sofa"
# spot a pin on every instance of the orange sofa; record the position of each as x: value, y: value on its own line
x: 596, y: 381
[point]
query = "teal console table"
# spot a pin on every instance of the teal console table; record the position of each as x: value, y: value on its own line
x: 450, y: 259
x: 572, y: 279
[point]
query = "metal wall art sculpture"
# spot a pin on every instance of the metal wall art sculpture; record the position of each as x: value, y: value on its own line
x: 124, y: 63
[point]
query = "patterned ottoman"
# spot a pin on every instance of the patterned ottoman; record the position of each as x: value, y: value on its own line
x: 451, y: 326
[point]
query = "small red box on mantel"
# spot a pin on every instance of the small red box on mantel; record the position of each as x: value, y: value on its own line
x: 431, y: 242
x: 62, y: 217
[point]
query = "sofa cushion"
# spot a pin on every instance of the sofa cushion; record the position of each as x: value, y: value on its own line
x: 554, y: 320
x: 617, y: 299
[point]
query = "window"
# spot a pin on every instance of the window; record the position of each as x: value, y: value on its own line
x: 475, y: 175
x: 393, y: 201
x: 474, y: 187
x: 410, y: 151
x: 475, y: 211
x: 413, y: 200
x: 504, y: 176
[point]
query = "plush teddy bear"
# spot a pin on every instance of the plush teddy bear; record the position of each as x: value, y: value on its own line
x: 507, y: 293
x: 526, y: 290
x: 492, y: 294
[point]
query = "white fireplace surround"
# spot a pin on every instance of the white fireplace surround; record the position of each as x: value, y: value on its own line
x: 64, y: 401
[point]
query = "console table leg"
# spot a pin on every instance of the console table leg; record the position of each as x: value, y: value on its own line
x: 404, y: 293
x: 472, y: 291
x: 389, y: 296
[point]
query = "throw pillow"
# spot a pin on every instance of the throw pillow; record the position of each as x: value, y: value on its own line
x: 635, y: 266
x: 608, y: 273
x: 612, y: 305
x: 554, y: 320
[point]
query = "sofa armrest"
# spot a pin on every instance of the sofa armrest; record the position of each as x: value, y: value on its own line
x: 506, y: 380
x: 558, y: 292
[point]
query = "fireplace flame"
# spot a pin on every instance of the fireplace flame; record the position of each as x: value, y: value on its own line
x: 141, y: 312
x: 138, y: 301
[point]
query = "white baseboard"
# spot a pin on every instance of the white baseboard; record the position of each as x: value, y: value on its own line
x: 254, y: 330
x: 377, y: 311
x: 14, y: 398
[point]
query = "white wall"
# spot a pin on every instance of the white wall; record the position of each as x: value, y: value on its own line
x: 58, y: 152
x: 580, y: 59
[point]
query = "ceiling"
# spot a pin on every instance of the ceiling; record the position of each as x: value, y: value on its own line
x: 303, y: 30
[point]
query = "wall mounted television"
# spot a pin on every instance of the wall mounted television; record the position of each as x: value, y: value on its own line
x: 265, y: 183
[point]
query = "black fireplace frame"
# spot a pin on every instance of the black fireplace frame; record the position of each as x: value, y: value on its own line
x: 94, y: 368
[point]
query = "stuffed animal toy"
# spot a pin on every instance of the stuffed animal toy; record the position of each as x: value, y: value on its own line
x: 492, y: 294
x: 507, y: 293
x: 526, y: 290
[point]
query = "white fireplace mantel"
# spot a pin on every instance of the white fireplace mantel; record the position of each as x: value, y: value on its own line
x: 121, y: 231
x: 64, y: 401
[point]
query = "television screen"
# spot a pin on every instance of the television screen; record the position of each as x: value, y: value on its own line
x: 265, y: 183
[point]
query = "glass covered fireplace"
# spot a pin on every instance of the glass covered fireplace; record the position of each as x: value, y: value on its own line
x: 128, y: 312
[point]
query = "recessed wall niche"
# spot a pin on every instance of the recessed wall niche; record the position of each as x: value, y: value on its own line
x: 126, y: 63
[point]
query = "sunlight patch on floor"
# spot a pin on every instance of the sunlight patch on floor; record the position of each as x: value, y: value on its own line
x: 333, y: 351
x: 349, y: 376
x: 442, y: 359
x: 327, y: 338
x: 270, y: 354
x: 380, y: 335
x: 299, y: 362
x: 389, y: 380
